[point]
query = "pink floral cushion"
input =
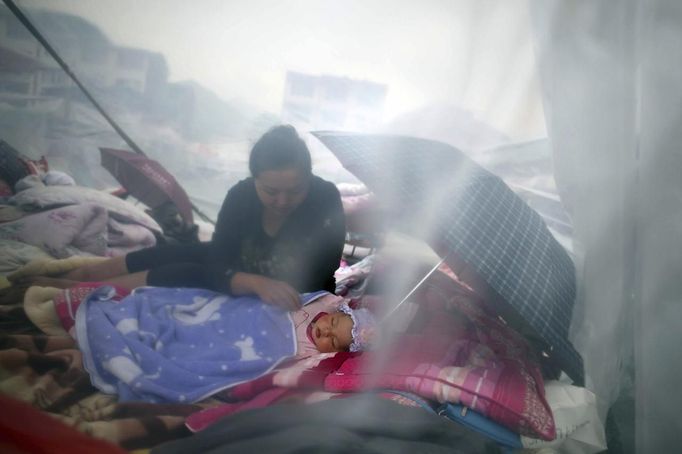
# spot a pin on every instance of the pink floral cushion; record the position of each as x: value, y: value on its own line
x: 457, y: 352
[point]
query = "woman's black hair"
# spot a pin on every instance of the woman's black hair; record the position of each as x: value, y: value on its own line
x: 279, y: 148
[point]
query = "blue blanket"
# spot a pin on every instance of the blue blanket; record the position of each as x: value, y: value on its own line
x: 179, y: 344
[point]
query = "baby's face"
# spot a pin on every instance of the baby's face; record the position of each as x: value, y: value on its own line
x: 332, y: 332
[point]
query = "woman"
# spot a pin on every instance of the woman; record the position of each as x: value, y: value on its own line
x: 279, y: 233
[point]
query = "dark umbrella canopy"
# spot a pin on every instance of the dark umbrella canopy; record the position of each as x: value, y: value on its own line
x: 146, y: 180
x: 468, y: 214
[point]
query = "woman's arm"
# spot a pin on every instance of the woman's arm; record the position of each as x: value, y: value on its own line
x: 269, y: 290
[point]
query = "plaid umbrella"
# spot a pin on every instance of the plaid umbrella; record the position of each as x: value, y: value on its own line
x: 466, y: 213
x: 146, y: 180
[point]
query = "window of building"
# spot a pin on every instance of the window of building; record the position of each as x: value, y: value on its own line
x: 333, y: 118
x: 370, y: 95
x: 336, y: 90
x: 13, y: 86
x: 297, y: 111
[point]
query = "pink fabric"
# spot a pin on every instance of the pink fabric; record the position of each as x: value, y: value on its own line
x: 67, y: 301
x: 307, y: 373
x: 504, y: 392
x: 476, y: 361
x: 363, y: 214
x: 455, y: 350
x: 202, y: 419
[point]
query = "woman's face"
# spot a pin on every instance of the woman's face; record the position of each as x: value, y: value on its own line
x: 281, y: 191
x: 333, y: 332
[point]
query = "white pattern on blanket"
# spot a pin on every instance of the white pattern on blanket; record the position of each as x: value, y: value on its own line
x: 78, y: 230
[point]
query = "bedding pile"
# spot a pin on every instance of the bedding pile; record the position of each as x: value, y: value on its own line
x: 452, y: 351
x: 70, y: 220
x: 449, y: 350
x: 445, y: 352
x: 47, y: 373
x: 46, y: 215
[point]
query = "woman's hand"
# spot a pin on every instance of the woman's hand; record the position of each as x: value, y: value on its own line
x: 270, y: 291
x: 278, y: 293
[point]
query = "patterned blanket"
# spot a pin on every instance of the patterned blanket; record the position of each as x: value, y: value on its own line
x: 47, y: 372
x: 487, y: 368
x: 179, y: 344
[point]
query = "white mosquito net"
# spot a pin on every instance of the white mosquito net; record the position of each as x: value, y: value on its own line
x: 575, y: 103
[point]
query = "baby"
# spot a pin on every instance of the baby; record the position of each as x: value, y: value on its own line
x: 182, y: 345
x: 327, y: 324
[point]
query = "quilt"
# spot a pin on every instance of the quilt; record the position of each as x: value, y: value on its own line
x: 47, y: 373
x: 84, y: 229
x: 40, y: 198
x: 179, y: 345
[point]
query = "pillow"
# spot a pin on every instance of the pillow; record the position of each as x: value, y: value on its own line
x: 436, y: 369
x: 50, y: 196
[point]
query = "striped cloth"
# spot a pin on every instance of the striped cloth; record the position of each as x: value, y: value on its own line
x: 457, y: 206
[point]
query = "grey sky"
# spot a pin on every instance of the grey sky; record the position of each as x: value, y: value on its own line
x: 474, y: 54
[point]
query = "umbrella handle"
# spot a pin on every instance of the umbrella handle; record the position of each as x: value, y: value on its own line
x: 416, y: 287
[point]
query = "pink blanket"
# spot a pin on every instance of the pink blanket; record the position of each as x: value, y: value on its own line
x: 453, y: 351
